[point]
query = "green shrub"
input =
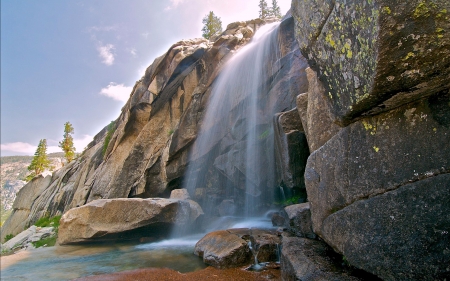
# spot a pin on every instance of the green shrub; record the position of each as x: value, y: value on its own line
x: 8, y: 237
x: 111, y: 129
x: 48, y: 242
x: 46, y: 221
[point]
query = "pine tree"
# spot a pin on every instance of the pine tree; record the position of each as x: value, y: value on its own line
x: 67, y: 143
x: 275, y: 11
x: 40, y: 161
x: 264, y: 11
x: 212, y: 25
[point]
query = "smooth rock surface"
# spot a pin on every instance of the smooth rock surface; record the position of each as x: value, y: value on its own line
x: 115, y: 218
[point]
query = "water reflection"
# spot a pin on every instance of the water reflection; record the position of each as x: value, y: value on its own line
x: 70, y: 262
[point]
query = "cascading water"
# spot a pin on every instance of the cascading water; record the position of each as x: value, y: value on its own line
x: 234, y: 152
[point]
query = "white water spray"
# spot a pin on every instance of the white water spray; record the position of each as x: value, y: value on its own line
x: 236, y: 137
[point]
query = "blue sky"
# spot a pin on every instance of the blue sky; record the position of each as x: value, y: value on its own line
x: 77, y: 60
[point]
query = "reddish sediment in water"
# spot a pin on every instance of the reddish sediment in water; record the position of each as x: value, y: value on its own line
x: 209, y: 273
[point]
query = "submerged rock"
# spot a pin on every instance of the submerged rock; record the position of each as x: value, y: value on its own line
x: 110, y: 219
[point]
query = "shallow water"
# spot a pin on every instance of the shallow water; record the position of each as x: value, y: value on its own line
x: 70, y: 262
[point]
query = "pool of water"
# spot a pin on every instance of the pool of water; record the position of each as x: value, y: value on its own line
x: 71, y: 262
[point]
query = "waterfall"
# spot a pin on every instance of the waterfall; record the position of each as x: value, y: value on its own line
x: 233, y: 155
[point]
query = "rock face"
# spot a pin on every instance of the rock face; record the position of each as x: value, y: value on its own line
x: 107, y: 219
x: 373, y: 56
x: 379, y: 186
x: 309, y: 260
x: 299, y: 220
x: 237, y: 247
x: 150, y: 141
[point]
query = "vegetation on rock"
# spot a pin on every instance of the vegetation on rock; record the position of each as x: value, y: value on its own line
x: 266, y: 12
x: 212, y: 25
x: 111, y: 128
x: 67, y: 143
x: 40, y: 160
x: 47, y: 221
x: 8, y: 237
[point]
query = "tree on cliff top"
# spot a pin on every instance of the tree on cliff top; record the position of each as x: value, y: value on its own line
x: 40, y: 161
x: 275, y: 11
x: 67, y: 143
x: 212, y: 25
x: 264, y: 11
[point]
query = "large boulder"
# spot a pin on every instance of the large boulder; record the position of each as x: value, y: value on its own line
x: 311, y: 260
x: 379, y: 191
x: 237, y: 247
x: 386, y: 234
x: 223, y: 249
x: 373, y: 56
x: 107, y: 219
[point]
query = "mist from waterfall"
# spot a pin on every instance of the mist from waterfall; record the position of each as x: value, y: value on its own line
x: 233, y: 154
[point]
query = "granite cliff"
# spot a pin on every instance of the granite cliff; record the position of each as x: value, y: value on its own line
x: 364, y: 129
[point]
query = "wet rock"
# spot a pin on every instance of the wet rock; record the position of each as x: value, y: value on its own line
x: 223, y: 249
x: 299, y: 220
x: 373, y: 56
x: 110, y: 219
x: 278, y: 219
x: 227, y: 208
x: 181, y: 194
x: 309, y: 260
x: 237, y: 247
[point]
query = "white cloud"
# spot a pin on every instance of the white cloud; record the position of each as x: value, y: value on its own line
x: 20, y: 147
x: 102, y: 28
x: 133, y: 52
x: 23, y: 148
x: 173, y: 4
x: 105, y: 52
x: 80, y: 144
x: 117, y: 91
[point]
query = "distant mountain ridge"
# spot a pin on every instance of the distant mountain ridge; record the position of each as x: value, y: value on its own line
x: 14, y: 170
